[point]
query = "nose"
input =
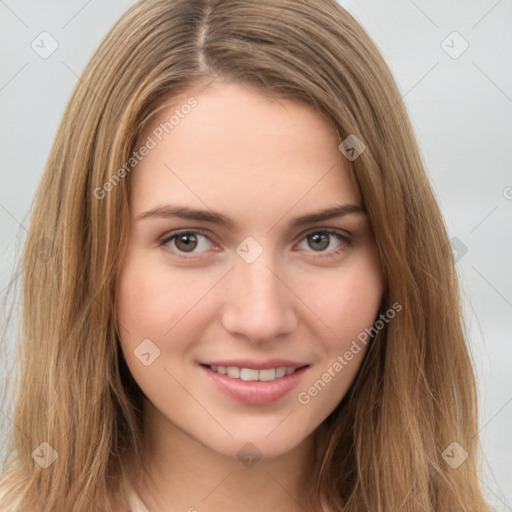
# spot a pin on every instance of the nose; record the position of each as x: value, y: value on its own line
x: 258, y: 303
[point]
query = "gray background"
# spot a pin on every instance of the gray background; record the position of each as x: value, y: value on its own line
x: 460, y: 108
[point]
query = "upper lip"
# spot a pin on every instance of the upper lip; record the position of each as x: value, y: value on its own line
x: 257, y: 365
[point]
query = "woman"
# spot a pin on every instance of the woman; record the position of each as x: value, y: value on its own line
x: 246, y: 296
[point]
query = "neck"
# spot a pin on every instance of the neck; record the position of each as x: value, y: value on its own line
x: 185, y: 475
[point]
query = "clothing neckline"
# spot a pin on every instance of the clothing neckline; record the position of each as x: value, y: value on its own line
x: 135, y: 503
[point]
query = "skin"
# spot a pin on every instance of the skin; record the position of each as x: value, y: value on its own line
x: 261, y: 162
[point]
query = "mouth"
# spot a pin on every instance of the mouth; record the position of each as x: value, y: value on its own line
x: 255, y: 386
x: 254, y: 374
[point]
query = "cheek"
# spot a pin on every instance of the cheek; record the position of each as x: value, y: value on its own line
x: 161, y: 312
x: 349, y: 309
x: 347, y: 300
x: 152, y: 299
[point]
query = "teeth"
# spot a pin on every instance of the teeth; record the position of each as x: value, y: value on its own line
x: 233, y: 372
x: 281, y: 371
x: 247, y: 374
x: 251, y: 374
x: 269, y: 374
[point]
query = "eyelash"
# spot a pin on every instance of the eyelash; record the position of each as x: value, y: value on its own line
x: 345, y: 240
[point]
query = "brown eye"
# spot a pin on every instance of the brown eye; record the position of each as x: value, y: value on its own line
x: 186, y: 242
x: 318, y: 241
x: 321, y: 242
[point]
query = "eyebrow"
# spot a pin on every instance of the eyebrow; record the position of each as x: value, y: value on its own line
x: 184, y: 212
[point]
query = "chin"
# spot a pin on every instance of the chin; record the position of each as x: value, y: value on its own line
x: 259, y: 443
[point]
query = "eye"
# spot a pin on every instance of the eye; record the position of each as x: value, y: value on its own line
x: 186, y: 242
x: 321, y: 240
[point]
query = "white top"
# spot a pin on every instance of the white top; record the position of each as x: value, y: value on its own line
x: 135, y: 504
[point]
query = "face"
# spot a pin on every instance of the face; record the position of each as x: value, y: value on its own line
x: 238, y: 313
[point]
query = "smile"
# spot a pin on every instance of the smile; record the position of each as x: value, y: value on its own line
x: 251, y: 374
x: 255, y: 386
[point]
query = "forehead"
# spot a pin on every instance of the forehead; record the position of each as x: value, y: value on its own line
x: 232, y: 148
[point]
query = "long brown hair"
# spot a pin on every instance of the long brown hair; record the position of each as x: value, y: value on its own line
x: 384, y: 447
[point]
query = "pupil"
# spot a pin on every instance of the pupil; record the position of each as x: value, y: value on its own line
x: 188, y: 240
x: 317, y: 237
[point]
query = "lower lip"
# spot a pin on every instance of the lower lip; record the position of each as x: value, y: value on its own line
x: 255, y: 392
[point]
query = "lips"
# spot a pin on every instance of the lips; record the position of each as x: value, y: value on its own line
x: 256, y: 365
x: 243, y: 386
x: 251, y: 374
